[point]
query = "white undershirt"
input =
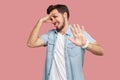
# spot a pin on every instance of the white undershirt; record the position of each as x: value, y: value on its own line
x: 58, y: 70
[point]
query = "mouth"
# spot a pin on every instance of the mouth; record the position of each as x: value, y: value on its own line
x: 56, y: 24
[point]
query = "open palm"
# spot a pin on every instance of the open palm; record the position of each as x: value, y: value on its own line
x: 79, y: 38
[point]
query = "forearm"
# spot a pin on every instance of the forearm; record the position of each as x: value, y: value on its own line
x: 34, y: 34
x: 95, y: 49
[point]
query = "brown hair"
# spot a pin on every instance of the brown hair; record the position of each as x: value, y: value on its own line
x: 61, y: 8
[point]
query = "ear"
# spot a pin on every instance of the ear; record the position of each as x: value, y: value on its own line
x: 65, y: 15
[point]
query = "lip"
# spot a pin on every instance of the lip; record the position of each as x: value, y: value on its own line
x: 56, y: 24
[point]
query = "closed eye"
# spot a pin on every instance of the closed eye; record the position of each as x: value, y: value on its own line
x: 54, y: 16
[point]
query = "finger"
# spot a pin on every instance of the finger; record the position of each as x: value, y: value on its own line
x: 73, y: 31
x: 50, y: 16
x: 48, y: 21
x: 79, y: 29
x: 72, y: 40
x: 83, y: 29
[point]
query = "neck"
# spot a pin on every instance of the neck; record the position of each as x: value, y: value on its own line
x: 63, y: 31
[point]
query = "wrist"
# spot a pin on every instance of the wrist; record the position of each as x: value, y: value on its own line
x: 86, y: 45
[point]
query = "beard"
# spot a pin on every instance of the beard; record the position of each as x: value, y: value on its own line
x: 62, y: 26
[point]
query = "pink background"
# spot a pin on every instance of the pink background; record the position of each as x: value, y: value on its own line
x: 101, y: 19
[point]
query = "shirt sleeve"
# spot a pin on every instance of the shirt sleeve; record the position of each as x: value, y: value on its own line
x: 44, y: 38
x: 89, y: 38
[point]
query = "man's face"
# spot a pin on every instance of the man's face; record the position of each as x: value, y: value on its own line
x: 57, y: 20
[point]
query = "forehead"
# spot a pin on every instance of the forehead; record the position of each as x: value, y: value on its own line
x: 54, y: 11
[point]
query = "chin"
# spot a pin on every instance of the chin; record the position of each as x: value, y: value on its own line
x: 59, y: 28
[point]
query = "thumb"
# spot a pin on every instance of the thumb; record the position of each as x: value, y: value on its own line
x: 48, y: 21
x: 72, y: 40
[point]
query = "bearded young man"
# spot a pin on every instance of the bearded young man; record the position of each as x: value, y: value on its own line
x: 66, y: 45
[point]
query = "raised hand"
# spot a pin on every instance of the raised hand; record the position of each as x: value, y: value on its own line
x: 79, y: 37
x: 47, y: 18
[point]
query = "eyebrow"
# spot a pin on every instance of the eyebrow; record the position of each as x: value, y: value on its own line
x: 54, y: 13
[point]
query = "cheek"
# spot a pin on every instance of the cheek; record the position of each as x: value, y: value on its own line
x: 61, y: 21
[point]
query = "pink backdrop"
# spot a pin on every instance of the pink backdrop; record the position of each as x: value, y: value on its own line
x: 101, y: 19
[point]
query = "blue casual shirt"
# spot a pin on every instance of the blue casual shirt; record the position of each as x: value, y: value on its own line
x: 74, y: 55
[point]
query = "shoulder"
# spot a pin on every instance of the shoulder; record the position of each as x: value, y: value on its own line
x: 51, y: 32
